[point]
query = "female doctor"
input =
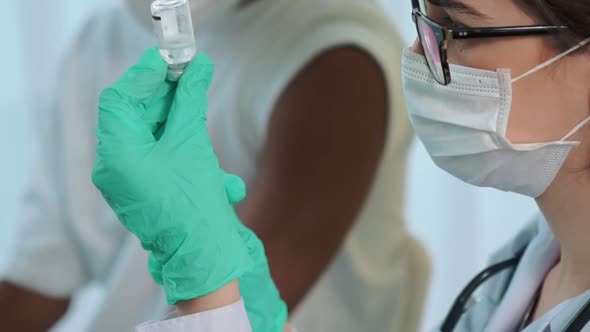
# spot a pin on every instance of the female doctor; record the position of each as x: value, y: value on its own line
x: 502, y: 105
x: 505, y: 105
x: 499, y: 94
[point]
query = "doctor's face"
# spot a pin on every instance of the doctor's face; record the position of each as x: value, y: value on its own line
x: 546, y: 105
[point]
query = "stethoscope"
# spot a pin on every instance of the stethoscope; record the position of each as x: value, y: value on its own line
x: 577, y: 323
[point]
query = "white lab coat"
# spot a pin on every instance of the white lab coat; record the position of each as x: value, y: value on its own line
x: 504, y: 298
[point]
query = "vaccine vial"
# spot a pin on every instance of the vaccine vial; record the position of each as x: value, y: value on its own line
x: 174, y: 29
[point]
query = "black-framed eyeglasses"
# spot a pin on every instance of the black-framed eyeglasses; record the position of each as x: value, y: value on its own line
x: 434, y: 39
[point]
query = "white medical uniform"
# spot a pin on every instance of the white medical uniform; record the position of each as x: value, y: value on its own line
x: 504, y: 299
x: 377, y: 281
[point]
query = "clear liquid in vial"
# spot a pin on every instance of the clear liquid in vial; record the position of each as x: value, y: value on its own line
x: 174, y: 30
x: 178, y: 51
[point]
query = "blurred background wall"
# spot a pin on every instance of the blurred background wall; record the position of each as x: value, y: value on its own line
x: 459, y: 224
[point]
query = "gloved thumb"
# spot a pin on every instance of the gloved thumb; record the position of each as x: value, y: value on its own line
x: 120, y: 115
x: 188, y: 113
x: 141, y: 80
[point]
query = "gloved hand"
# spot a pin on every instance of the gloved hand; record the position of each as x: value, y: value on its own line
x: 266, y: 310
x: 163, y: 179
x: 235, y: 189
x: 134, y: 131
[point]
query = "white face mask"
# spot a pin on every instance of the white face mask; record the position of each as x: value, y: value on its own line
x: 463, y: 127
x: 203, y: 12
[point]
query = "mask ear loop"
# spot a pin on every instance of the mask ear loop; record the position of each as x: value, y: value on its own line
x: 586, y: 120
x: 576, y: 128
x: 550, y: 62
x: 553, y: 60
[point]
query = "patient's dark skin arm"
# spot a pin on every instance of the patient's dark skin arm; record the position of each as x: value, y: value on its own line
x: 322, y: 149
x: 27, y: 311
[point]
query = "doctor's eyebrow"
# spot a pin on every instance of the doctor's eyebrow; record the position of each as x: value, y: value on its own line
x: 461, y: 7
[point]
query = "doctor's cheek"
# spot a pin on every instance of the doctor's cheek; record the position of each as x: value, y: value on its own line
x: 417, y: 47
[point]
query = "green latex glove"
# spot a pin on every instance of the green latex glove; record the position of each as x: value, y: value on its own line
x: 156, y: 168
x: 235, y: 190
x: 135, y: 117
x: 266, y: 310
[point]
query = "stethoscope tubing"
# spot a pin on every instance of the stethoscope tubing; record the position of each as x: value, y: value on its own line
x: 578, y: 322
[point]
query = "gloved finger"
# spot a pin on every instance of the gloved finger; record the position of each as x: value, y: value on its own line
x: 121, y: 105
x: 119, y: 125
x: 235, y: 188
x: 156, y: 108
x: 143, y: 79
x: 187, y: 115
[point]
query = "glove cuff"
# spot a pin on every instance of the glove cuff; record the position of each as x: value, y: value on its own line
x: 185, y: 277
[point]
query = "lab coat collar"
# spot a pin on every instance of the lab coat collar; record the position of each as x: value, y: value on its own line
x: 539, y: 257
x: 503, y: 299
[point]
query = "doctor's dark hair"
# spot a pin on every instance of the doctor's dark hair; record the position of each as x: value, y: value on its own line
x: 574, y: 14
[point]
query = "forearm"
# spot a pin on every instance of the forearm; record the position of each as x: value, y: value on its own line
x: 226, y: 295
x: 298, y: 246
x: 295, y: 270
x: 23, y: 310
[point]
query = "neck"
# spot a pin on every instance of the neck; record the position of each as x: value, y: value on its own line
x: 566, y: 206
